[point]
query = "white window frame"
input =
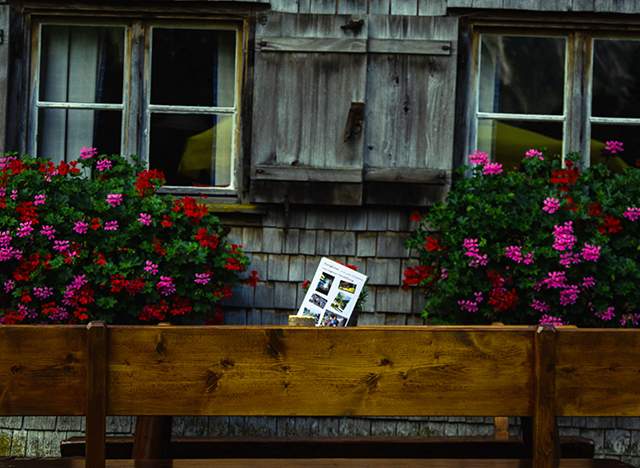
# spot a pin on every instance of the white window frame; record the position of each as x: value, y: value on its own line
x: 576, y: 118
x: 136, y: 107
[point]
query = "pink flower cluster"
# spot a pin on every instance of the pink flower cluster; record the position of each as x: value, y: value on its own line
x: 534, y: 153
x: 114, y: 199
x: 103, y: 164
x: 632, y: 213
x: 549, y: 320
x: 111, y: 226
x: 151, y: 268
x: 514, y: 252
x: 80, y: 226
x: 569, y: 295
x: 591, y: 252
x: 48, y: 232
x: 569, y: 258
x: 551, y: 205
x: 145, y: 219
x: 540, y: 305
x: 40, y: 199
x: 43, y: 292
x: 492, y: 168
x: 73, y: 288
x: 614, y: 146
x: 479, y: 157
x: 633, y: 318
x: 468, y: 305
x: 202, y: 278
x: 473, y: 251
x: 86, y: 153
x: 564, y: 236
x: 588, y: 282
x: 606, y: 314
x: 165, y: 286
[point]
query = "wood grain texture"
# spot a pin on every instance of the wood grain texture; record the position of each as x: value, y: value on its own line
x: 4, y: 74
x: 404, y: 46
x: 432, y: 7
x: 273, y: 371
x: 409, y: 113
x: 352, y: 7
x: 302, y: 100
x: 312, y: 44
x: 327, y: 7
x: 598, y: 373
x: 315, y: 463
x: 96, y: 408
x: 379, y: 7
x: 42, y: 370
x: 307, y: 174
x: 404, y: 7
x: 413, y: 176
x: 545, y: 436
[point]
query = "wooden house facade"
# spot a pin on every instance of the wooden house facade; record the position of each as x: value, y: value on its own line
x: 316, y: 127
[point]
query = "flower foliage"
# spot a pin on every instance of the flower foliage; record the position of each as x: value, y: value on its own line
x: 545, y: 244
x: 75, y: 248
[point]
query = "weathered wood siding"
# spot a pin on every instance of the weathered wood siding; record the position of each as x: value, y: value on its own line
x: 4, y: 72
x: 312, y: 69
x: 442, y: 7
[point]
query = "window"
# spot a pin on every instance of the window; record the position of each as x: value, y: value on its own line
x: 564, y: 90
x: 165, y: 91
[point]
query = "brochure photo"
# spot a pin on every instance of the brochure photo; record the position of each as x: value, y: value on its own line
x: 332, y: 295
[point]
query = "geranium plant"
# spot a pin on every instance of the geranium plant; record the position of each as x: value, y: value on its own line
x: 545, y: 244
x: 75, y: 248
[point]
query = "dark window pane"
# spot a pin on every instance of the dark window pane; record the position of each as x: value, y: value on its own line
x: 193, y: 67
x: 81, y: 63
x: 63, y: 132
x: 629, y: 135
x: 522, y: 75
x: 192, y: 150
x: 616, y: 82
x: 507, y: 141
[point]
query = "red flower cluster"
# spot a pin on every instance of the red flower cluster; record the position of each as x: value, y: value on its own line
x: 207, y: 240
x: 194, y: 211
x: 27, y: 212
x: 119, y: 282
x: 565, y: 178
x: 432, y: 245
x: 609, y: 224
x: 26, y: 266
x: 154, y: 311
x: 500, y: 298
x: 253, y: 279
x: 180, y: 306
x: 419, y: 276
x: 148, y: 181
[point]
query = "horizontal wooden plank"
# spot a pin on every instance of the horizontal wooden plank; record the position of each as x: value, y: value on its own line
x: 311, y: 44
x: 281, y: 371
x: 597, y: 373
x: 412, y: 176
x: 314, y: 463
x: 42, y: 370
x: 307, y: 174
x: 409, y: 46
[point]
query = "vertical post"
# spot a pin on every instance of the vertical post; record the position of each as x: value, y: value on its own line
x: 4, y: 74
x: 545, y: 433
x: 96, y: 399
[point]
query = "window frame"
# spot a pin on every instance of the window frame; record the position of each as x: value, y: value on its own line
x: 136, y: 107
x: 578, y: 117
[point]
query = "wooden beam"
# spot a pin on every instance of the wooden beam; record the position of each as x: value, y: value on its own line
x: 307, y: 174
x: 412, y: 176
x: 311, y: 45
x: 545, y: 436
x: 409, y: 46
x: 96, y: 402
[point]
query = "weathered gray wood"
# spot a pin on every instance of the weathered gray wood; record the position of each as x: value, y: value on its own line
x: 307, y: 174
x: 410, y: 112
x: 352, y: 7
x: 404, y: 7
x: 311, y: 44
x: 286, y: 6
x: 323, y: 6
x: 615, y: 6
x: 413, y: 175
x: 302, y: 101
x: 555, y: 5
x: 432, y: 7
x: 414, y: 47
x: 487, y: 3
x: 304, y: 6
x: 459, y: 3
x: 379, y: 7
x: 4, y: 74
x: 522, y: 4
x: 583, y: 5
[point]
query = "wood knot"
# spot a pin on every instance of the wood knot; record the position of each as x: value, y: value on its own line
x: 16, y: 369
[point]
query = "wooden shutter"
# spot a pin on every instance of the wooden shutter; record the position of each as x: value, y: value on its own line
x: 308, y: 72
x: 410, y: 109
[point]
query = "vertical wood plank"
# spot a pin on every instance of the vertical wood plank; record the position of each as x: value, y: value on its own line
x: 432, y: 7
x: 324, y: 6
x: 304, y: 6
x: 285, y: 6
x: 404, y: 7
x: 487, y: 3
x: 381, y: 7
x: 545, y: 435
x: 555, y: 5
x: 604, y: 5
x: 352, y: 7
x: 4, y: 75
x: 522, y: 4
x: 583, y: 5
x: 459, y: 3
x: 96, y: 399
